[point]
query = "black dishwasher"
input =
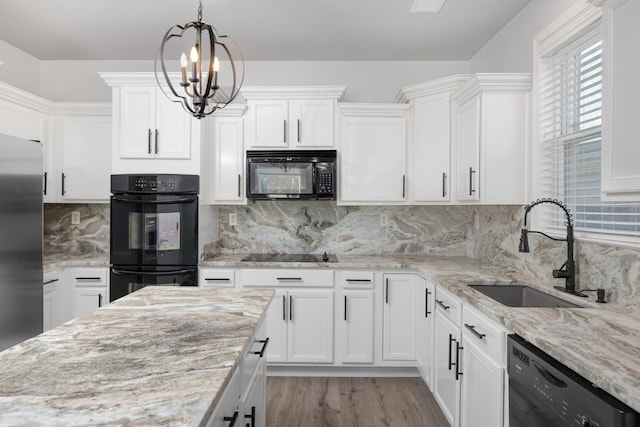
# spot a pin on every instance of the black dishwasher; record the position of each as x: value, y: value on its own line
x: 543, y: 392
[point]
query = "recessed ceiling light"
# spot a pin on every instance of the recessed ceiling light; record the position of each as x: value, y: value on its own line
x: 426, y: 6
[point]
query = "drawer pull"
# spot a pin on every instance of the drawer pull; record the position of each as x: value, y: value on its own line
x: 441, y: 304
x: 358, y: 280
x: 472, y: 328
x: 50, y: 281
x: 345, y: 308
x: 284, y: 308
x: 426, y: 303
x: 264, y: 342
x: 459, y: 349
x: 99, y: 300
x: 290, y: 308
x: 217, y: 279
x: 232, y: 420
x: 451, y: 341
x: 88, y: 278
x: 251, y: 417
x: 386, y: 295
x: 292, y: 279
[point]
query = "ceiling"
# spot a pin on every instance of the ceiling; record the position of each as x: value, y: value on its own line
x: 265, y: 30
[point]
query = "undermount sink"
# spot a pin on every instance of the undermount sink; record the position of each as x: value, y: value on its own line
x: 521, y: 296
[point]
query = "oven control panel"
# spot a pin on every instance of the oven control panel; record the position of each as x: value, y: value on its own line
x: 158, y: 184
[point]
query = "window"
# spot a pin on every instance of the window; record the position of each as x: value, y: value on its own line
x: 570, y: 103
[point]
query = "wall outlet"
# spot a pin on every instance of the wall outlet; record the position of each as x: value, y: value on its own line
x: 233, y: 219
x: 75, y: 218
x: 384, y: 220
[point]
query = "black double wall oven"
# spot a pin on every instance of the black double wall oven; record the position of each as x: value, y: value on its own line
x: 154, y: 232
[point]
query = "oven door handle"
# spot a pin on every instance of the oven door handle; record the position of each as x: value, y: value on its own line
x: 153, y: 273
x: 187, y: 199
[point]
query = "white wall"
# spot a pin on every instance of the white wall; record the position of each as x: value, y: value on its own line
x: 19, y: 69
x: 511, y: 49
x: 365, y: 81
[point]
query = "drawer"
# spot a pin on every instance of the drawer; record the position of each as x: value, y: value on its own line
x: 216, y: 278
x: 256, y: 350
x: 50, y: 277
x: 277, y: 278
x: 485, y: 334
x: 90, y: 276
x: 355, y: 279
x: 449, y: 305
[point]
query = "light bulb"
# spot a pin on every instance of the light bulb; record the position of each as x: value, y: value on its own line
x: 194, y: 53
x: 216, y: 64
x: 183, y: 60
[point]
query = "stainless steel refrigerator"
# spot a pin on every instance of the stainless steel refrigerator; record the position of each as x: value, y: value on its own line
x: 20, y: 240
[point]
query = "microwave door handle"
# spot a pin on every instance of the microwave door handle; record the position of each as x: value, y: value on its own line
x: 187, y: 199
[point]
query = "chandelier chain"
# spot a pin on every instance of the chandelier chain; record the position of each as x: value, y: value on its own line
x: 200, y: 12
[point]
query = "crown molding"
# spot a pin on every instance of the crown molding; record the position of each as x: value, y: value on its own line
x: 292, y: 92
x: 231, y: 110
x: 495, y: 82
x: 81, y: 108
x: 373, y: 110
x: 433, y: 87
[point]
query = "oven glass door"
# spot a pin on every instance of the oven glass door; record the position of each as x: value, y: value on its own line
x: 281, y: 178
x: 154, y: 230
x: 124, y: 280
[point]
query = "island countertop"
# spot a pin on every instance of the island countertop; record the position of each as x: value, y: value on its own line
x: 160, y: 356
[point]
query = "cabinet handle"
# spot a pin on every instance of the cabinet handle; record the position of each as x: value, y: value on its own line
x: 88, y: 278
x: 157, y: 141
x: 252, y: 417
x: 290, y: 308
x: 358, y: 280
x: 264, y: 342
x: 239, y: 184
x: 444, y: 184
x: 426, y: 303
x: 99, y: 300
x: 298, y: 131
x: 472, y: 328
x: 284, y: 131
x: 284, y: 279
x: 471, y: 189
x: 149, y: 142
x: 217, y: 279
x: 284, y: 308
x: 63, y: 178
x: 232, y: 420
x: 44, y: 191
x: 459, y: 349
x: 451, y: 341
x: 50, y: 281
x: 404, y: 182
x: 441, y: 304
x: 345, y: 308
x: 386, y: 291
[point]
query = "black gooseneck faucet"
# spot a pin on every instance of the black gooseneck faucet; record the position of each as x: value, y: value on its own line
x: 568, y: 269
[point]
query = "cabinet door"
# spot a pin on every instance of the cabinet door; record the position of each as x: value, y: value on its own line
x: 88, y: 299
x: 228, y: 160
x: 172, y: 131
x: 228, y: 404
x: 355, y: 326
x: 425, y: 328
x: 620, y: 150
x: 254, y: 402
x: 48, y: 306
x: 431, y: 148
x: 277, y: 322
x: 468, y: 150
x: 267, y: 124
x: 446, y: 386
x: 310, y: 326
x: 311, y: 123
x: 86, y: 154
x: 399, y: 320
x: 373, y: 159
x: 482, y: 388
x: 137, y: 121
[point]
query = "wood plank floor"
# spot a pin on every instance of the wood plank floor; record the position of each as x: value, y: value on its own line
x: 351, y: 402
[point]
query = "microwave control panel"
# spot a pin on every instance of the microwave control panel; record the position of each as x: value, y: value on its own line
x: 325, y: 178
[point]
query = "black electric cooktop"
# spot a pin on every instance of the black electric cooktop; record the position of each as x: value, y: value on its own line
x: 291, y: 258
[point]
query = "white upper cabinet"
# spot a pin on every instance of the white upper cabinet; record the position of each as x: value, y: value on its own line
x: 291, y: 117
x: 22, y: 114
x: 491, y: 135
x: 151, y: 134
x: 373, y: 144
x: 620, y: 148
x: 429, y: 146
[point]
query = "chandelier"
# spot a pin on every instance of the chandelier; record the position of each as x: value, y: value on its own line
x: 196, y: 87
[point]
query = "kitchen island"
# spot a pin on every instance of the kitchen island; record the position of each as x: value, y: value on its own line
x: 160, y: 356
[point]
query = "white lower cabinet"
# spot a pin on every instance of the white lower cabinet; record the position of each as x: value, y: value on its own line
x: 253, y: 403
x: 300, y: 326
x: 398, y: 315
x: 425, y: 329
x: 355, y: 317
x: 90, y: 289
x: 227, y: 410
x: 446, y: 383
x: 52, y: 298
x: 216, y: 278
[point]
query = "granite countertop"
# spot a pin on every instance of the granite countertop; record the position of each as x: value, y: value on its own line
x: 601, y: 341
x: 50, y: 262
x: 159, y: 356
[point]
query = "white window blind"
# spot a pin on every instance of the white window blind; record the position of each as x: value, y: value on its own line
x: 570, y: 105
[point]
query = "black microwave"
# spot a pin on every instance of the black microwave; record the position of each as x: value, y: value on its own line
x: 291, y: 174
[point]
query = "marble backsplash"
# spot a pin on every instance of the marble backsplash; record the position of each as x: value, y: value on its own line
x: 318, y: 226
x: 91, y: 236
